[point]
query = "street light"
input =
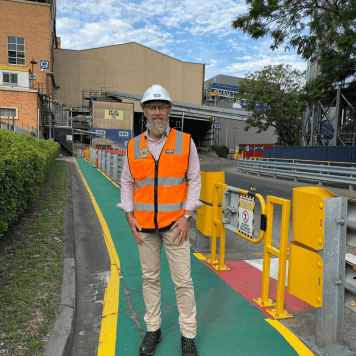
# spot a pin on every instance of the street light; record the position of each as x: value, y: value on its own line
x: 234, y: 138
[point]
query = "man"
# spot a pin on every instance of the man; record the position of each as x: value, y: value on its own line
x: 160, y: 189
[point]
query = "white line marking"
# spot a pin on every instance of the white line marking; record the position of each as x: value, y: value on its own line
x: 274, y: 267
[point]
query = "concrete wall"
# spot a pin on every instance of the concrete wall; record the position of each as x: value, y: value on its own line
x: 128, y: 68
x: 242, y: 136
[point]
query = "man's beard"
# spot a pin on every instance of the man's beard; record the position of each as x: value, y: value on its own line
x: 156, y: 129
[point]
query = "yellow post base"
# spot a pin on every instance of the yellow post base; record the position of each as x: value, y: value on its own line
x: 225, y: 268
x: 284, y: 315
x: 212, y: 262
x: 270, y: 302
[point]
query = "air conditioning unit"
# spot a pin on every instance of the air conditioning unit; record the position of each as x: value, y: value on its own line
x: 33, y: 76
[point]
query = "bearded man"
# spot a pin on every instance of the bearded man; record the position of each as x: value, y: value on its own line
x: 160, y: 189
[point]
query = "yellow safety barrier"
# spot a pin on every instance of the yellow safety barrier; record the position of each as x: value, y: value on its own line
x: 205, y: 213
x: 218, y: 226
x: 305, y: 275
x: 218, y: 191
x: 264, y: 301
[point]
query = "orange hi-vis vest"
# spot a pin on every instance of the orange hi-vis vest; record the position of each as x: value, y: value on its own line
x: 161, y: 186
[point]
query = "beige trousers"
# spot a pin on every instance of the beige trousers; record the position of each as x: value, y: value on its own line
x: 179, y: 264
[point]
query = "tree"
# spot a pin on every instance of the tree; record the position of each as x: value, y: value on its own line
x: 272, y: 95
x: 325, y: 29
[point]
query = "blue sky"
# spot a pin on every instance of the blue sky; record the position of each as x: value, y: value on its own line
x: 189, y: 30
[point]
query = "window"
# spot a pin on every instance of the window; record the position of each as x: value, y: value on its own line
x: 5, y: 112
x: 9, y: 78
x: 16, y: 50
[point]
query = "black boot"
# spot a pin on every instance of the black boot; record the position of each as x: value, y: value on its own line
x: 150, y: 342
x: 188, y: 347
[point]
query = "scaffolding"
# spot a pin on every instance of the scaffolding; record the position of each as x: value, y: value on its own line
x: 329, y: 123
x: 220, y: 95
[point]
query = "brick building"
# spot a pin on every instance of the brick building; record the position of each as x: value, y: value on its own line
x: 27, y: 41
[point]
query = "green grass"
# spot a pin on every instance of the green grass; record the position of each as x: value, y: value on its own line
x: 31, y: 255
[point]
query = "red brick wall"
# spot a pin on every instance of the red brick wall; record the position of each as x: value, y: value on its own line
x: 32, y: 21
x: 27, y: 104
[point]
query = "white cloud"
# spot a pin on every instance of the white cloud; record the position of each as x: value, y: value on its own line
x: 257, y: 62
x: 167, y: 51
x: 66, y: 24
x: 191, y: 29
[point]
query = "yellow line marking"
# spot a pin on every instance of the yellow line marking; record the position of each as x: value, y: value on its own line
x: 107, y: 338
x: 199, y: 256
x: 108, y: 178
x: 298, y: 346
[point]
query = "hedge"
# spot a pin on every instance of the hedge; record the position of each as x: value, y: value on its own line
x: 221, y: 150
x: 25, y: 162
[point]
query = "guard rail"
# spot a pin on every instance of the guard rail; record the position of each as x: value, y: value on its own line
x: 109, y: 163
x: 319, y: 172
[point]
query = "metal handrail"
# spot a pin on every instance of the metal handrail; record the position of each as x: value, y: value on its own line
x: 300, y: 170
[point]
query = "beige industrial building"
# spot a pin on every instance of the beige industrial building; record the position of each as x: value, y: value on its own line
x: 82, y: 76
x: 88, y: 79
x: 127, y: 68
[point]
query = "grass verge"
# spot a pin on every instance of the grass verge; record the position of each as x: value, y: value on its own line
x: 31, y: 266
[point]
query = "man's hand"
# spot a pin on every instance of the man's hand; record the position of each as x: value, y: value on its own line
x: 134, y: 226
x: 182, y: 230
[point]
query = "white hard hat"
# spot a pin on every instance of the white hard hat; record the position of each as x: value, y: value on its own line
x: 156, y: 92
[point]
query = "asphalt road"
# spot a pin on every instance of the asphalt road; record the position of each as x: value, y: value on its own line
x: 265, y: 185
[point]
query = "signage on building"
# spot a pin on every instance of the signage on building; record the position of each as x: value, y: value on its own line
x: 69, y: 138
x: 44, y: 64
x: 100, y: 132
x: 217, y: 126
x: 114, y: 114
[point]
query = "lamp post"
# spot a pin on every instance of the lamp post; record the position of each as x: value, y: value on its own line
x: 32, y: 62
x: 234, y: 138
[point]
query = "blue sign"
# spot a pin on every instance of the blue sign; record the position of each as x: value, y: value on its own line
x: 44, y: 64
x: 120, y: 136
x: 217, y: 126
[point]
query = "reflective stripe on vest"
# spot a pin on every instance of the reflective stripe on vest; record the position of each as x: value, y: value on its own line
x: 161, y: 186
x: 166, y: 181
x: 161, y: 207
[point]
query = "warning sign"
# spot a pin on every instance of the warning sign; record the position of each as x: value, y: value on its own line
x: 246, y: 211
x: 114, y: 114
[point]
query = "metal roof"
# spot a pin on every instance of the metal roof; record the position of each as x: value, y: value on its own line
x: 191, y: 111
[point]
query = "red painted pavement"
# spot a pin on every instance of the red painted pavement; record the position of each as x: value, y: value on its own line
x: 247, y: 280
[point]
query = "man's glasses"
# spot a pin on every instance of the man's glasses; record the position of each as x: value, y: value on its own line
x: 161, y: 108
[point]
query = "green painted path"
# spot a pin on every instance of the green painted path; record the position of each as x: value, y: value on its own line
x: 228, y: 324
